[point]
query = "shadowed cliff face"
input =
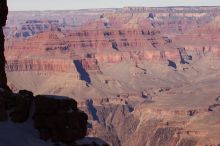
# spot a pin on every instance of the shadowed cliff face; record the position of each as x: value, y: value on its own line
x: 3, y: 79
x: 83, y: 73
x: 122, y: 127
x: 3, y: 18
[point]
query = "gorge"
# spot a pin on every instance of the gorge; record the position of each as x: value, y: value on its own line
x: 144, y: 76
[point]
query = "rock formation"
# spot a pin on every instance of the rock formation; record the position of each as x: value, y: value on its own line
x: 57, y: 118
x: 56, y: 65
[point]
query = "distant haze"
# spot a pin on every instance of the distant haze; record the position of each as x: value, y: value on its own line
x: 15, y: 5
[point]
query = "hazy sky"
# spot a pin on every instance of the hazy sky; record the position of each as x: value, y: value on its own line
x: 82, y: 4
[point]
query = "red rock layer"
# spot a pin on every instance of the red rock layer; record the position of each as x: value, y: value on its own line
x: 40, y: 65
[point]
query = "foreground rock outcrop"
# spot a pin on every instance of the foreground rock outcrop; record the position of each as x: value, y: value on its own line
x: 59, y: 119
x: 56, y: 118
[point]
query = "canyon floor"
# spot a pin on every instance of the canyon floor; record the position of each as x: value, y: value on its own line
x: 145, y: 76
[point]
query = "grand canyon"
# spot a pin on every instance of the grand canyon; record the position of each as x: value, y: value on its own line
x: 144, y: 76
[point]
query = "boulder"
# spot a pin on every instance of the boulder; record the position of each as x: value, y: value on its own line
x: 6, y: 102
x: 23, y: 103
x: 57, y: 118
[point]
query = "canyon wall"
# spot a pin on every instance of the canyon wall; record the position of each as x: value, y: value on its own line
x: 148, y: 76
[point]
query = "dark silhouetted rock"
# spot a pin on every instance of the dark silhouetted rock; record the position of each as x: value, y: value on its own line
x: 6, y: 102
x: 57, y: 118
x: 3, y: 112
x: 23, y: 103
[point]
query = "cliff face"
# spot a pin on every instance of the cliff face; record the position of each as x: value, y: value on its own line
x: 112, y: 38
x: 145, y: 125
x: 130, y: 34
x: 194, y: 29
x: 202, y: 41
x: 56, y: 65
